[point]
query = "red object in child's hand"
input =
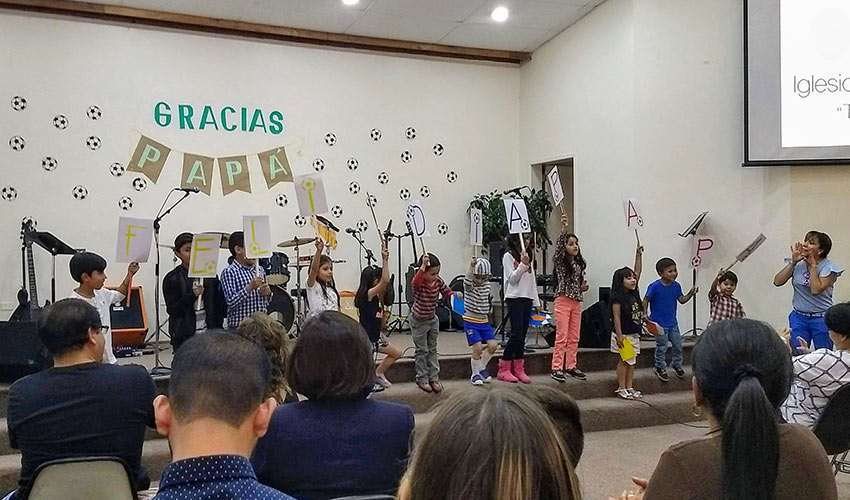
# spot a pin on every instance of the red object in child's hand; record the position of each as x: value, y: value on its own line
x: 653, y: 327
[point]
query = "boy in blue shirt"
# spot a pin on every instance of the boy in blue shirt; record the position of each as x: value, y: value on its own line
x: 661, y: 297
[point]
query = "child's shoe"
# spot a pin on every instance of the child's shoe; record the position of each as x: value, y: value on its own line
x: 558, y: 375
x: 425, y: 386
x: 505, y: 374
x: 518, y: 369
x: 575, y: 372
x: 679, y: 371
x: 485, y: 376
x: 624, y: 394
x: 661, y: 374
x: 436, y: 386
x: 636, y: 394
x: 476, y: 379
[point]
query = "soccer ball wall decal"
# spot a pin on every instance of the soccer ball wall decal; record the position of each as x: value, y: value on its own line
x: 125, y: 203
x: 443, y: 228
x: 424, y: 191
x: 94, y: 112
x: 375, y: 134
x: 300, y: 221
x: 60, y: 122
x: 404, y: 194
x: 140, y: 184
x: 371, y: 201
x: 281, y: 200
x: 93, y: 142
x: 318, y: 164
x: 49, y: 163
x: 438, y: 149
x: 406, y: 156
x: 362, y: 226
x: 80, y: 192
x: 330, y: 139
x: 8, y: 193
x: 451, y: 176
x: 383, y: 177
x: 352, y: 163
x: 354, y: 188
x: 410, y: 133
x: 336, y: 210
x: 17, y: 143
x: 19, y: 103
x: 117, y: 169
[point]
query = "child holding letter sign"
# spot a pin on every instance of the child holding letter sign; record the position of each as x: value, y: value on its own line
x: 181, y: 292
x: 569, y: 289
x: 243, y: 283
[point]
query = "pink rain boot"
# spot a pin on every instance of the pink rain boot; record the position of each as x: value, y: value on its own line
x: 518, y: 369
x: 505, y: 374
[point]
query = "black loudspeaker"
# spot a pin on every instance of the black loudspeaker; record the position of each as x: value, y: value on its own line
x: 22, y: 353
x: 496, y: 251
x: 596, y: 326
x: 129, y: 323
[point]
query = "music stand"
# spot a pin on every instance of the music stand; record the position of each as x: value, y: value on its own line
x: 54, y: 247
x: 692, y: 231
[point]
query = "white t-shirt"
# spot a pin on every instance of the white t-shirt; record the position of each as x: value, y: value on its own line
x: 102, y: 299
x: 318, y: 302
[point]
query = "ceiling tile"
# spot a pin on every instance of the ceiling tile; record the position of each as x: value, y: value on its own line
x: 492, y: 36
x: 320, y: 15
x: 401, y: 28
x: 527, y: 14
x: 445, y: 10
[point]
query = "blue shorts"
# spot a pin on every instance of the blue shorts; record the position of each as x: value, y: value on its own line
x: 478, y: 332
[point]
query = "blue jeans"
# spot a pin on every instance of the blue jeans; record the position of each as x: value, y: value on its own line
x: 811, y: 329
x: 672, y: 335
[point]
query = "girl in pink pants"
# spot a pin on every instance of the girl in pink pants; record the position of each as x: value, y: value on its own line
x: 569, y: 287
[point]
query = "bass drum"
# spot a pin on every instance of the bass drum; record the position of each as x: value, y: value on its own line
x: 277, y: 271
x: 281, y: 308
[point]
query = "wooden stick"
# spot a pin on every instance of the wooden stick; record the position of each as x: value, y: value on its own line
x: 200, y: 299
x: 637, y: 237
x: 130, y: 289
x: 374, y: 219
x: 424, y: 250
x: 522, y: 242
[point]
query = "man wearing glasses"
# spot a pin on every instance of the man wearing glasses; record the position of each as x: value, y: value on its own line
x: 80, y: 407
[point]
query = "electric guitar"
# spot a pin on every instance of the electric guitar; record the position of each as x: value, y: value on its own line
x: 28, y: 308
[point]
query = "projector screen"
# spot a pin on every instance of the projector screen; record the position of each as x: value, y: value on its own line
x: 797, y: 82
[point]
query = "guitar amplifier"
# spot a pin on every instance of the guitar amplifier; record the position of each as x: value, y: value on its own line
x: 22, y: 353
x: 129, y: 324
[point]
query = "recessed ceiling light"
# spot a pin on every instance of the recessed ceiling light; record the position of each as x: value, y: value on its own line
x: 499, y: 14
x: 350, y: 2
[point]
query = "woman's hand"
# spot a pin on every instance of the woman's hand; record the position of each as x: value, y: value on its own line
x: 796, y: 252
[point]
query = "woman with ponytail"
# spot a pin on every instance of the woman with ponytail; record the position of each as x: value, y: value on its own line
x: 742, y: 373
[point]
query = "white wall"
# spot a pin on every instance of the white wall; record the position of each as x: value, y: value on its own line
x: 647, y: 96
x: 63, y: 66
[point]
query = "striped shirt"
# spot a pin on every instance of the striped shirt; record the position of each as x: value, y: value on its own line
x: 425, y: 296
x: 240, y: 303
x: 476, y: 300
x: 817, y: 375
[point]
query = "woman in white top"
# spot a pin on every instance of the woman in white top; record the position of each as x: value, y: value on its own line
x: 819, y: 373
x: 321, y: 292
x: 520, y: 287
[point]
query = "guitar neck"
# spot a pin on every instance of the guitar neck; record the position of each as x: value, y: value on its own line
x: 31, y: 273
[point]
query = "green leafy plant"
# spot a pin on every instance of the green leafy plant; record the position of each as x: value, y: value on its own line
x: 495, y: 226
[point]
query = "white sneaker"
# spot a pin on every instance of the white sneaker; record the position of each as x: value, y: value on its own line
x: 624, y: 394
x: 382, y: 379
x: 476, y: 380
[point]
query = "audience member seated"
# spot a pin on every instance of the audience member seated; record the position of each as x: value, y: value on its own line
x: 215, y: 410
x: 818, y: 374
x: 336, y: 443
x: 742, y: 373
x: 564, y: 412
x: 273, y: 337
x: 80, y: 407
x: 491, y: 445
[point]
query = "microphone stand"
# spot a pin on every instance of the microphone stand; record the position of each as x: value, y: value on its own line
x: 369, y: 255
x: 159, y: 368
x: 398, y: 323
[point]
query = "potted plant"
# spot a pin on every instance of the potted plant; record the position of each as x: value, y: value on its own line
x: 492, y: 206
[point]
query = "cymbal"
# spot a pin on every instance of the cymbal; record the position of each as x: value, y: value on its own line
x: 296, y: 242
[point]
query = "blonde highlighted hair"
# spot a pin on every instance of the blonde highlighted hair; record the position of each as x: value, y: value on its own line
x: 273, y: 338
x: 491, y: 445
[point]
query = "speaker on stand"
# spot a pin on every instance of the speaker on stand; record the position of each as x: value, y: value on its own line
x: 596, y: 324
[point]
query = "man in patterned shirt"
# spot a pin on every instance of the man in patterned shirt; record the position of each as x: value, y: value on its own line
x: 243, y: 284
x: 723, y: 304
x: 214, y: 413
x: 820, y: 373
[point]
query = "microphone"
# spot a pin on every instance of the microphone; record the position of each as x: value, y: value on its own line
x: 189, y: 190
x: 515, y: 190
x: 351, y: 230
